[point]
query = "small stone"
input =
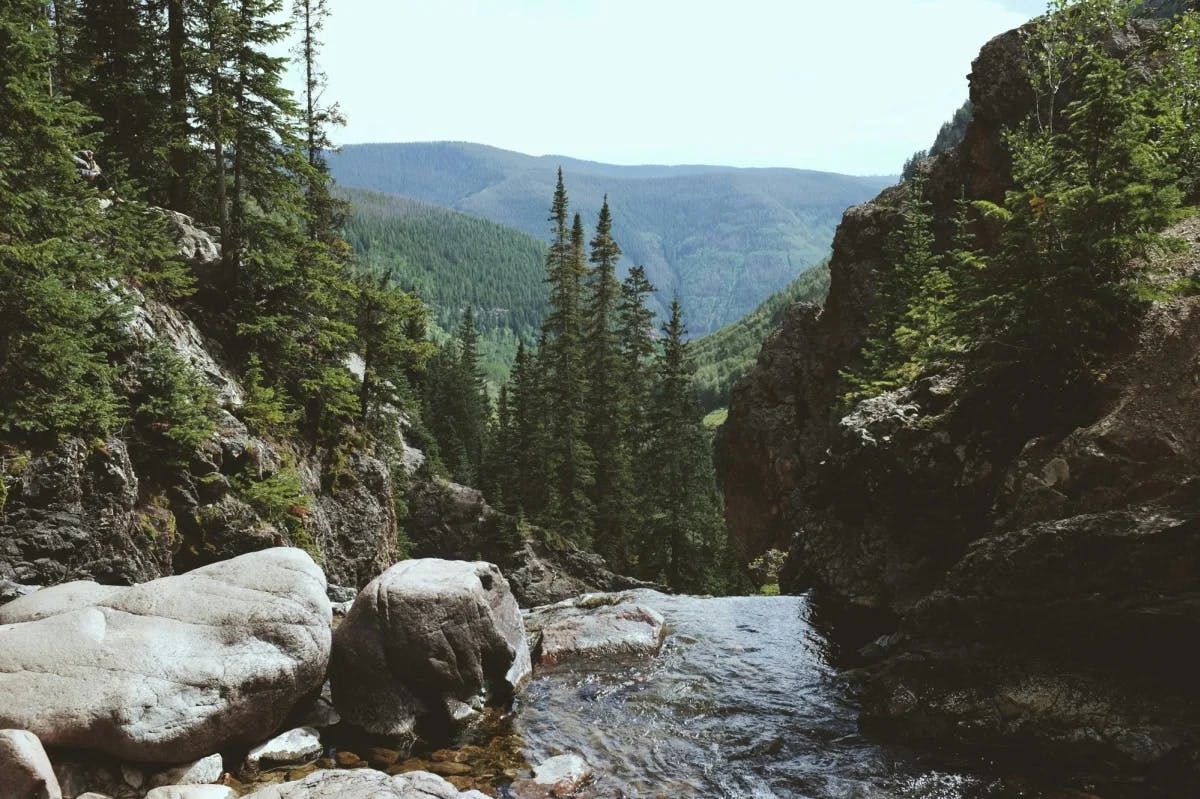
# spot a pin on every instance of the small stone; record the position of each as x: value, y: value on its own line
x: 202, y: 772
x: 564, y: 775
x: 449, y: 756
x: 447, y: 769
x: 381, y: 758
x: 349, y: 760
x: 291, y: 748
x: 134, y: 777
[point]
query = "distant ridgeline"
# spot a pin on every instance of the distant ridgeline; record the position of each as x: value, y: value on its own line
x: 724, y: 239
x: 452, y: 261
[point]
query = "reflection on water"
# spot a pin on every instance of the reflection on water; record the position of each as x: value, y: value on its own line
x: 742, y: 703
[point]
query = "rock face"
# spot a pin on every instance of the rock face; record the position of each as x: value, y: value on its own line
x: 453, y: 521
x: 426, y: 645
x: 366, y: 784
x: 25, y: 771
x: 595, y: 626
x: 169, y: 670
x: 1043, y: 569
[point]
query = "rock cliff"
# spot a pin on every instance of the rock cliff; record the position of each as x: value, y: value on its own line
x: 1044, y: 570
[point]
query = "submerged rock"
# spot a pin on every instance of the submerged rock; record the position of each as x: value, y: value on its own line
x: 428, y: 643
x: 25, y: 771
x: 172, y: 669
x: 559, y: 776
x: 595, y: 625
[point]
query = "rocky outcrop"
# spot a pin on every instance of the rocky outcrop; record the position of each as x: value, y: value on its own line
x: 169, y: 670
x: 1043, y: 569
x: 25, y: 771
x: 453, y: 521
x: 426, y: 646
x: 596, y: 626
x: 73, y: 511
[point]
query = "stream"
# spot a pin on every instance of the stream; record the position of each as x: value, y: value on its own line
x: 742, y: 703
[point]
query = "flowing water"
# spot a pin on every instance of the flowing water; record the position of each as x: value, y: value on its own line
x: 742, y: 703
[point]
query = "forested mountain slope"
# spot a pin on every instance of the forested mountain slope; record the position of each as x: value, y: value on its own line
x: 452, y: 261
x: 721, y: 358
x: 724, y: 239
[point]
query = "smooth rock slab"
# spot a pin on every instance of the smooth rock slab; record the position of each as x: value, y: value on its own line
x: 595, y: 625
x: 365, y: 784
x: 292, y: 748
x: 25, y: 771
x: 429, y: 642
x: 169, y: 670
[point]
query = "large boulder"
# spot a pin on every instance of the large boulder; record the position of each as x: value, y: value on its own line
x: 428, y: 644
x: 171, y: 670
x: 25, y: 771
x: 595, y: 626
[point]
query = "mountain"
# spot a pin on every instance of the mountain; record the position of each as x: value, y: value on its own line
x: 724, y: 239
x: 452, y: 260
x: 721, y: 358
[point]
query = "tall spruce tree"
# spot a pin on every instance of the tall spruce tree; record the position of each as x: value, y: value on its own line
x: 606, y: 412
x: 685, y: 545
x: 568, y: 457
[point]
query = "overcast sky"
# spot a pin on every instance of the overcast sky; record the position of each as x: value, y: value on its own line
x: 819, y: 84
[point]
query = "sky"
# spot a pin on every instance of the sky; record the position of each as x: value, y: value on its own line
x: 853, y: 87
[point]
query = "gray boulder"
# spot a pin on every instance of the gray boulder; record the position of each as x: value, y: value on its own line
x: 291, y: 748
x: 596, y: 625
x: 25, y: 771
x: 205, y: 771
x: 173, y: 669
x: 365, y: 784
x: 429, y: 642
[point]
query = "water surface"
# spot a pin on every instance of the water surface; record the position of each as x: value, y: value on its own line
x: 742, y: 703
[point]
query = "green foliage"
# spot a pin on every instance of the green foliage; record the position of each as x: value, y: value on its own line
x: 949, y: 136
x: 454, y: 405
x: 279, y: 498
x: 264, y: 409
x: 59, y: 315
x: 173, y: 408
x: 722, y: 357
x: 392, y: 343
x: 1096, y: 169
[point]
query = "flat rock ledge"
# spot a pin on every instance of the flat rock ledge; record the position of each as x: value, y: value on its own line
x: 595, y: 626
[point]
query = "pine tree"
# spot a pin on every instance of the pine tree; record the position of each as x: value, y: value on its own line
x: 122, y: 80
x: 391, y: 339
x: 686, y: 543
x: 325, y: 212
x: 637, y: 346
x: 568, y: 457
x: 606, y: 417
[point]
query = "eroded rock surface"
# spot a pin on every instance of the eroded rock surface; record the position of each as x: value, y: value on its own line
x: 366, y: 784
